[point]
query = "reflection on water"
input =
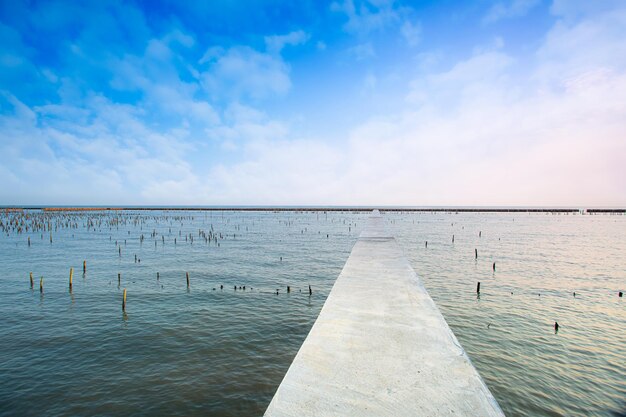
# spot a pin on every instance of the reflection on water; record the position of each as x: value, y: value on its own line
x: 205, y: 349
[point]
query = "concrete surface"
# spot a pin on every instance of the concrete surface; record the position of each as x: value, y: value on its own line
x: 380, y: 347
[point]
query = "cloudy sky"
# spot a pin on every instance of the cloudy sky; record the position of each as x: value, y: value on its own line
x: 347, y: 102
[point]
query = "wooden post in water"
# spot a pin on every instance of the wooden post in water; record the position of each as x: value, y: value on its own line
x: 41, y: 285
x: 187, y: 279
x: 310, y: 290
x: 71, y: 276
x: 84, y: 266
x: 158, y: 276
x: 124, y: 301
x: 475, y: 253
x: 494, y: 267
x: 478, y: 288
x: 31, y: 281
x: 556, y: 327
x: 119, y: 278
x: 620, y: 294
x: 288, y: 289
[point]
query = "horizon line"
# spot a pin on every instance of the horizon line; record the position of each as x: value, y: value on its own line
x: 442, y: 208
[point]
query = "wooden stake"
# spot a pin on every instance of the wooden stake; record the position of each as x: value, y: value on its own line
x: 187, y: 279
x: 41, y: 285
x: 71, y: 276
x: 478, y: 288
x: 124, y: 301
x: 31, y: 281
x: 84, y: 266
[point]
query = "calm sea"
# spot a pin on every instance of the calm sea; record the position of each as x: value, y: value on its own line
x: 208, y: 350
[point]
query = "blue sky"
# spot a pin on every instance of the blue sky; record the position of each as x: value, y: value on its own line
x: 511, y: 102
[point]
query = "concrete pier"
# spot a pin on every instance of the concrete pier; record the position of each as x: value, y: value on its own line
x: 380, y: 347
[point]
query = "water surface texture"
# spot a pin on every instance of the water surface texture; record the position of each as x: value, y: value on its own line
x: 541, y: 260
x: 203, y: 350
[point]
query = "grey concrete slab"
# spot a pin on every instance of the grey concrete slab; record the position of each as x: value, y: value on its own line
x: 380, y: 347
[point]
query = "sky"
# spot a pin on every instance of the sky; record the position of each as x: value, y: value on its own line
x: 345, y: 102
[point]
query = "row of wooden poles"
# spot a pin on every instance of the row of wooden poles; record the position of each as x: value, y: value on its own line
x: 119, y: 280
x: 32, y: 283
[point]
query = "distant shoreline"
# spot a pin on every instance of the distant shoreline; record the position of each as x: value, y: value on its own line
x: 321, y: 209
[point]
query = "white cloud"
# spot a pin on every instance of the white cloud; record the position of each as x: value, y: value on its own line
x: 554, y: 149
x: 179, y: 37
x: 481, y: 131
x: 294, y: 171
x: 370, y: 81
x: 276, y: 43
x: 412, y: 32
x: 362, y: 51
x: 366, y: 15
x: 576, y: 46
x: 509, y: 9
x: 244, y: 124
x: 154, y: 74
x: 211, y: 54
x: 474, y: 77
x: 571, y: 9
x: 243, y: 71
x: 108, y: 157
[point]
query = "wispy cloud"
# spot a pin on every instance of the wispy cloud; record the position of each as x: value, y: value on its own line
x: 276, y: 43
x: 509, y: 9
x: 412, y: 32
x: 243, y: 71
x: 362, y: 51
x: 365, y: 16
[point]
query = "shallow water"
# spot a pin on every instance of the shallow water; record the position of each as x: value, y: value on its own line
x: 176, y: 351
x: 508, y: 332
x: 180, y: 351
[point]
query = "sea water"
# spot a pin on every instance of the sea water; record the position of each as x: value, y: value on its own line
x: 206, y: 350
x: 548, y: 268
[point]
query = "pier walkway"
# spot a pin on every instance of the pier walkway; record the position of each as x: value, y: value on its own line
x: 380, y: 346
